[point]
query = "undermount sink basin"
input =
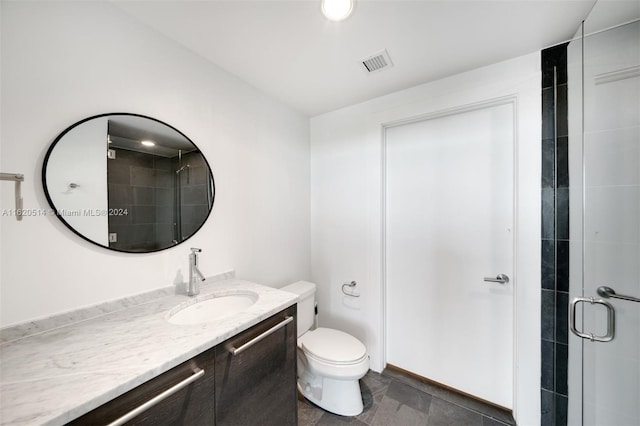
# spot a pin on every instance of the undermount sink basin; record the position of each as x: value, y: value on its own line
x: 212, y: 308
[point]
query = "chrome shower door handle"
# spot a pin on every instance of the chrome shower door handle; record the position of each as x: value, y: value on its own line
x: 611, y: 316
x: 501, y: 278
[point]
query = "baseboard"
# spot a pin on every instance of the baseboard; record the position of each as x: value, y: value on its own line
x: 443, y: 386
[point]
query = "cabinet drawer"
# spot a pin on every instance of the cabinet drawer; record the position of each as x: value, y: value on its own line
x: 191, y: 405
x: 257, y: 385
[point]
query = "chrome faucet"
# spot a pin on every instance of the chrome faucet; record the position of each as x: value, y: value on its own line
x: 194, y: 273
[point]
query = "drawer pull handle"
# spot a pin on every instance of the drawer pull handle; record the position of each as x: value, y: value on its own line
x: 156, y: 399
x: 236, y: 351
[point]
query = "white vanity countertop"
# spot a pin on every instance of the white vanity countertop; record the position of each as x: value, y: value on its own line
x: 58, y: 375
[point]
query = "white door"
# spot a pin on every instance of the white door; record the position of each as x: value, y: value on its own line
x: 449, y: 224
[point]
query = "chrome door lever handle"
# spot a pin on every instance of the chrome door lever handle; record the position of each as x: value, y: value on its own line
x: 501, y: 278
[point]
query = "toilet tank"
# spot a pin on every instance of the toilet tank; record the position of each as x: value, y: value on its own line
x: 306, y: 304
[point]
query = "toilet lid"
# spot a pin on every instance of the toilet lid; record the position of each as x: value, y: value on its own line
x: 333, y: 346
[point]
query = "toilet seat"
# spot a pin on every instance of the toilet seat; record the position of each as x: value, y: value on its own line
x: 333, y: 346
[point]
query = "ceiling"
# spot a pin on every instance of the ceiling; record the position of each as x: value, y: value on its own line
x: 127, y: 131
x: 291, y: 52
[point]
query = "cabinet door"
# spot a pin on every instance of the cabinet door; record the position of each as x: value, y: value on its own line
x: 258, y: 385
x: 191, y: 405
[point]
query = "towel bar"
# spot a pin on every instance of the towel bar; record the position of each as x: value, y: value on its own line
x: 17, y: 178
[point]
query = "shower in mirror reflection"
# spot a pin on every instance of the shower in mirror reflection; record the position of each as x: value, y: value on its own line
x: 193, y: 194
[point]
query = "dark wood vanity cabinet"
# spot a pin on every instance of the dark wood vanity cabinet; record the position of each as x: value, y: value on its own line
x: 256, y: 386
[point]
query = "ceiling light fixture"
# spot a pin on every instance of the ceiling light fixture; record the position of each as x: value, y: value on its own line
x: 148, y: 143
x: 337, y: 10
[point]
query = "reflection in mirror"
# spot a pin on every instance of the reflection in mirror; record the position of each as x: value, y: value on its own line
x: 128, y: 182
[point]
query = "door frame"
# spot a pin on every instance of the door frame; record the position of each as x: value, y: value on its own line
x: 461, y: 109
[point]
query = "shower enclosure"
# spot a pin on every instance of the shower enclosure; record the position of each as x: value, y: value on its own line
x: 164, y: 190
x: 604, y: 173
x: 193, y: 194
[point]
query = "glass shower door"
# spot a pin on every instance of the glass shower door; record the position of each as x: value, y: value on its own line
x: 604, y: 350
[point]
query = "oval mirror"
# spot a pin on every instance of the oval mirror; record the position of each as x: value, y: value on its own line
x: 128, y: 182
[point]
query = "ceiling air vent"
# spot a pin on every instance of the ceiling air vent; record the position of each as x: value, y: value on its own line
x: 377, y: 62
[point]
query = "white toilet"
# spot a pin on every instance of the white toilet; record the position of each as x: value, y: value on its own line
x: 330, y: 362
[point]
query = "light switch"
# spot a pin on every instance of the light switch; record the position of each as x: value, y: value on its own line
x: 113, y: 237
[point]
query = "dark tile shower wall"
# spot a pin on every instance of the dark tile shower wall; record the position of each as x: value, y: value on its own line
x: 142, y: 184
x: 194, y: 192
x: 555, y: 237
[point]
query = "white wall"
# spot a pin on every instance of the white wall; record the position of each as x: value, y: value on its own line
x: 64, y: 61
x: 346, y: 208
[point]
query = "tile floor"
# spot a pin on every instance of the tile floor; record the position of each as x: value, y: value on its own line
x: 394, y: 399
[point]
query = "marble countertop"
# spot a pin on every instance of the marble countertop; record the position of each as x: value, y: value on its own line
x: 57, y: 375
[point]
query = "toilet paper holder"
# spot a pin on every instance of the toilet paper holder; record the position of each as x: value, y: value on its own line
x: 349, y: 290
